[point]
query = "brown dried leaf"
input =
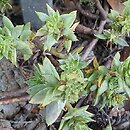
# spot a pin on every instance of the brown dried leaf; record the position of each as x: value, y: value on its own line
x: 116, y: 5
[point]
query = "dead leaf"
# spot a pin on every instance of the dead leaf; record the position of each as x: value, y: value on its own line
x: 74, y: 26
x: 116, y: 5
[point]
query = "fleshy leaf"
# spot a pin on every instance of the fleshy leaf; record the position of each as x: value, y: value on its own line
x: 50, y: 11
x: 16, y: 32
x: 45, y: 96
x: 24, y: 48
x: 35, y: 89
x: 53, y: 111
x: 7, y: 23
x: 42, y: 16
x: 42, y: 31
x: 6, y: 31
x: 113, y: 14
x: 69, y: 19
x: 26, y: 32
x: 49, y: 68
x: 76, y: 116
x: 121, y: 41
x: 68, y: 44
x: 70, y: 34
x: 103, y: 87
x: 49, y: 42
x: 101, y: 36
x: 116, y: 60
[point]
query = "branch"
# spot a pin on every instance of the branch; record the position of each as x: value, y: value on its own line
x: 14, y: 99
x: 93, y: 42
x: 83, y: 29
x: 54, y: 61
x: 86, y: 13
x: 101, y: 10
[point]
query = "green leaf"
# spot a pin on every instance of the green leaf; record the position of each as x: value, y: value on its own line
x: 4, y: 5
x: 10, y: 41
x: 93, y: 77
x: 45, y: 96
x: 103, y: 70
x: 16, y: 32
x: 7, y: 23
x: 116, y: 60
x: 26, y: 33
x: 126, y: 10
x: 127, y: 80
x: 113, y: 14
x: 76, y: 118
x: 13, y: 56
x: 103, y: 87
x: 101, y: 36
x: 126, y: 88
x: 68, y: 44
x: 6, y: 31
x: 49, y: 42
x: 53, y: 111
x: 42, y: 31
x: 42, y: 16
x: 78, y: 112
x: 69, y: 19
x: 50, y: 69
x: 83, y: 64
x: 50, y: 11
x: 35, y: 89
x: 69, y: 34
x: 93, y: 88
x: 39, y: 97
x: 120, y: 41
x: 24, y: 48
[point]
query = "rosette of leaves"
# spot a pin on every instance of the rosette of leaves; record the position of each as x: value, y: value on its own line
x: 68, y: 86
x: 44, y: 84
x: 107, y: 84
x: 50, y: 89
x: 122, y: 70
x: 95, y: 75
x: 13, y: 39
x: 72, y: 78
x: 120, y: 24
x: 43, y: 90
x: 4, y: 4
x: 110, y: 93
x: 76, y: 119
x: 57, y: 26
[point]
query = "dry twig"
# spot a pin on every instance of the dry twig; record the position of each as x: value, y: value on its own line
x: 101, y: 10
x: 85, y: 30
x: 93, y: 42
x: 14, y: 99
x: 86, y: 13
